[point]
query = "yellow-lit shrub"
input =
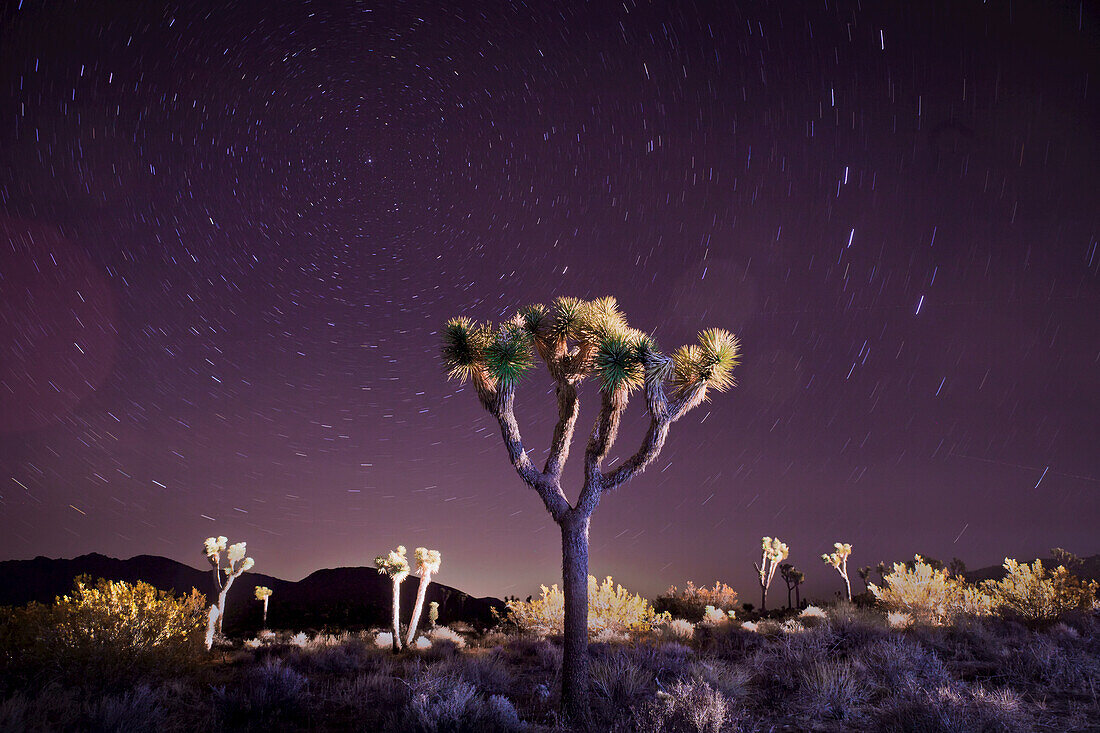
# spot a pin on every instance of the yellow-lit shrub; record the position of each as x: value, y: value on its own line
x: 611, y: 609
x: 108, y: 631
x: 1037, y: 595
x: 930, y: 595
x: 691, y: 602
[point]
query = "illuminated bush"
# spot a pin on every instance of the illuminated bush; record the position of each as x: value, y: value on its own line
x: 108, y: 631
x: 930, y: 595
x: 691, y: 602
x: 611, y: 608
x: 1037, y: 595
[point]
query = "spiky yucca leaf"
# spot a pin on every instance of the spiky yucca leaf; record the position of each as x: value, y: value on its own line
x: 602, y: 320
x: 508, y: 355
x: 685, y: 373
x: 464, y: 344
x: 535, y: 319
x: 720, y: 353
x: 618, y: 362
x: 565, y: 318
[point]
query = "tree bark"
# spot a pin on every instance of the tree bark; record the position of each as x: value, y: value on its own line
x: 396, y: 617
x: 797, y: 596
x: 422, y: 591
x: 789, y: 597
x: 211, y: 626
x: 265, y: 612
x: 574, y: 666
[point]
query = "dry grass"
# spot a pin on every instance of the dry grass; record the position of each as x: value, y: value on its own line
x: 851, y: 669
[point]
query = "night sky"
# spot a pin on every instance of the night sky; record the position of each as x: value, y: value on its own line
x: 231, y: 231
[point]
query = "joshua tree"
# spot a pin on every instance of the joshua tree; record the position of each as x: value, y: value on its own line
x: 793, y: 577
x: 839, y: 560
x: 576, y: 339
x: 396, y: 566
x: 427, y: 564
x: 212, y: 547
x: 775, y: 552
x: 262, y: 594
x: 957, y: 568
x: 433, y: 614
x: 865, y: 576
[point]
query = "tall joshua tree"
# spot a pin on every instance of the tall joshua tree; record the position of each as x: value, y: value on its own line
x: 427, y: 564
x: 775, y: 552
x: 396, y: 566
x: 577, y: 339
x: 212, y: 547
x: 838, y: 558
x: 262, y: 594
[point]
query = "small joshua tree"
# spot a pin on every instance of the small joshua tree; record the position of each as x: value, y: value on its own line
x: 577, y: 339
x: 262, y: 594
x: 433, y: 614
x: 793, y: 577
x: 838, y: 558
x: 865, y: 576
x: 396, y: 566
x: 427, y: 564
x: 212, y: 547
x: 775, y: 552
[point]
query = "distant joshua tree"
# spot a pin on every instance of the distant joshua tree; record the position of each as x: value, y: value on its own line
x: 1067, y: 559
x: 433, y: 614
x: 957, y: 568
x: 262, y: 594
x: 426, y: 564
x: 395, y: 566
x: 212, y: 547
x: 775, y: 552
x: 838, y: 558
x: 865, y: 576
x: 577, y: 339
x: 793, y: 577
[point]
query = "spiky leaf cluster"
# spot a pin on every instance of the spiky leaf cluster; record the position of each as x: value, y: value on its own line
x: 578, y: 337
x: 427, y: 560
x: 464, y: 346
x: 709, y: 363
x: 839, y: 557
x: 774, y: 549
x: 262, y: 592
x: 508, y: 354
x: 394, y: 564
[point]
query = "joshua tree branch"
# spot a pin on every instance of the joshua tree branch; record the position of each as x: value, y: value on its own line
x: 549, y: 491
x: 568, y: 411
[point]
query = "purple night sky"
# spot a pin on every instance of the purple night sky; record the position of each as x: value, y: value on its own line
x: 231, y: 231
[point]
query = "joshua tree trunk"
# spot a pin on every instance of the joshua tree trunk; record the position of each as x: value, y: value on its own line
x: 211, y: 625
x: 422, y: 591
x: 763, y: 598
x: 797, y: 597
x: 574, y: 667
x: 848, y: 586
x: 396, y: 616
x: 265, y: 612
x: 789, y: 597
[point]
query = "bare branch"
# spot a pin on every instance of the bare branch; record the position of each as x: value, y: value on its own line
x: 568, y: 411
x: 550, y: 492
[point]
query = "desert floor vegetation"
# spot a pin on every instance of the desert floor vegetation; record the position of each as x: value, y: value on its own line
x: 833, y: 667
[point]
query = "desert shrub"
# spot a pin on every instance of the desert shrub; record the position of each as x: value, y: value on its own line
x: 444, y: 634
x: 440, y: 702
x: 269, y: 691
x: 930, y: 595
x: 1036, y: 595
x: 610, y: 608
x: 830, y: 690
x: 111, y: 632
x: 690, y: 603
x: 677, y: 629
x: 686, y: 707
x: 813, y: 616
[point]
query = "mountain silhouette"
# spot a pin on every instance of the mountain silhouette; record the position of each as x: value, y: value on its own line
x: 336, y: 598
